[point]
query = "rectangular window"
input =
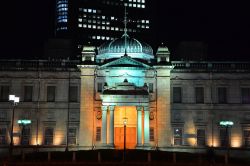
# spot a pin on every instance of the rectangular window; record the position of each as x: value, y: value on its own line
x: 51, y: 93
x: 151, y: 87
x: 25, y: 138
x: 222, y: 95
x: 246, y: 137
x: 73, y: 93
x: 199, y: 94
x: 177, y: 136
x: 48, y: 136
x: 245, y: 95
x: 224, y: 139
x: 201, y: 137
x: 98, y: 133
x: 3, y: 136
x: 177, y: 96
x: 28, y: 93
x: 3, y: 115
x: 99, y: 87
x: 151, y: 134
x: 72, y: 136
x: 4, y: 93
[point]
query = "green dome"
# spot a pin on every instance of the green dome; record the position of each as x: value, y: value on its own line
x: 116, y: 49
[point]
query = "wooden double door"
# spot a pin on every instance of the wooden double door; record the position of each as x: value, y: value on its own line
x: 130, y: 137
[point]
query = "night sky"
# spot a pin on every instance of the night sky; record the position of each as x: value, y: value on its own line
x: 224, y: 26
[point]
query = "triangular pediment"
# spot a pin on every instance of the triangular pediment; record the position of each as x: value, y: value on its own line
x: 125, y: 61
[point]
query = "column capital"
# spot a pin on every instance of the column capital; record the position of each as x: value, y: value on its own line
x: 111, y: 108
x: 146, y: 108
x: 104, y: 108
x: 139, y: 108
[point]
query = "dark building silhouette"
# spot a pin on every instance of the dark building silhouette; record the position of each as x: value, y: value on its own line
x: 96, y: 21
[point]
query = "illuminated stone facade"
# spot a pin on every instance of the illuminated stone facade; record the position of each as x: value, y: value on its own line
x: 166, y: 104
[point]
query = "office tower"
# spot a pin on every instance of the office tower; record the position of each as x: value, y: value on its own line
x: 96, y: 21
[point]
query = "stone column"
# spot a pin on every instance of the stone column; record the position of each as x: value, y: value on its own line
x: 146, y: 126
x: 139, y: 126
x: 111, y: 125
x: 104, y: 125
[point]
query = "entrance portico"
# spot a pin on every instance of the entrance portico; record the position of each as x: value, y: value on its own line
x: 134, y: 105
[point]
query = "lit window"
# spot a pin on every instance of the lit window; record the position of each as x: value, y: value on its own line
x: 89, y: 26
x: 103, y: 22
x: 142, y: 6
x: 98, y: 37
x: 93, y: 37
x: 116, y: 29
x: 143, y: 1
x: 147, y: 27
x: 130, y: 0
x: 103, y: 27
x: 94, y: 11
x: 112, y: 18
x: 147, y: 21
x: 138, y: 0
x: 143, y: 21
x: 94, y: 26
x: 112, y: 28
x: 134, y: 0
x: 130, y: 5
x: 134, y: 5
x: 98, y: 27
x: 80, y: 19
x: 103, y: 17
x: 103, y: 37
x: 107, y: 27
x: 85, y: 10
x: 139, y: 6
x: 80, y: 25
x: 90, y: 10
x: 94, y: 21
x: 108, y: 38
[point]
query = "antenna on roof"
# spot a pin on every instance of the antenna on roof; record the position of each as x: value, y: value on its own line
x: 125, y: 29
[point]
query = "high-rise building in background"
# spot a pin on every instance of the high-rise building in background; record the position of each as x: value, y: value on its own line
x: 96, y: 21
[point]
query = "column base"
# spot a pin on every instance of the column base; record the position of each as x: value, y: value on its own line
x: 106, y: 146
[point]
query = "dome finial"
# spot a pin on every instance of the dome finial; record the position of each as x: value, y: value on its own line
x: 125, y: 29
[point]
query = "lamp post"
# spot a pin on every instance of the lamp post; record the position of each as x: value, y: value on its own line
x: 227, y: 124
x: 15, y: 100
x: 125, y: 120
